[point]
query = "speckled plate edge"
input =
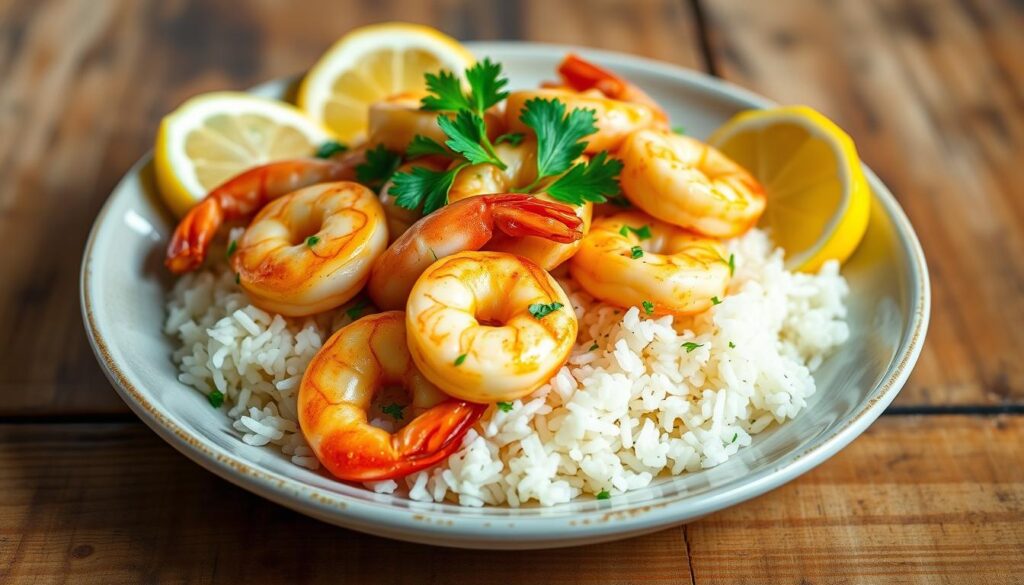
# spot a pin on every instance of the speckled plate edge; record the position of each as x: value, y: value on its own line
x: 597, y: 524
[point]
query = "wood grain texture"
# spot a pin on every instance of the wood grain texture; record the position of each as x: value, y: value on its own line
x: 932, y: 91
x: 915, y: 500
x: 85, y: 84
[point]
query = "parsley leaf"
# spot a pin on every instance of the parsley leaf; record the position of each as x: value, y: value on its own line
x: 231, y: 248
x: 460, y: 359
x: 312, y: 241
x: 648, y: 307
x: 636, y: 252
x: 486, y: 85
x: 423, y: 187
x: 603, y: 495
x: 445, y: 93
x: 215, y: 398
x: 732, y: 345
x: 642, y: 233
x: 540, y: 310
x: 379, y: 166
x: 690, y: 346
x: 424, y: 146
x: 732, y: 264
x: 513, y: 138
x: 504, y: 406
x: 595, y: 181
x: 716, y: 301
x: 330, y: 148
x: 559, y: 135
x: 356, y: 310
x: 467, y: 136
x: 394, y: 410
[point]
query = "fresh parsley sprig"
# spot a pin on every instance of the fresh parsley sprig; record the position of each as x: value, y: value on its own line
x: 380, y: 164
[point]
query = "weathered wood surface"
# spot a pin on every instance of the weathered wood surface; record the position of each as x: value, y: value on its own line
x: 933, y: 94
x: 915, y: 500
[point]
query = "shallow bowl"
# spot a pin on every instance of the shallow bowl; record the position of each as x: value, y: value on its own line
x: 123, y: 288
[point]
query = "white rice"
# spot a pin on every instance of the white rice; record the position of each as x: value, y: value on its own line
x: 656, y: 396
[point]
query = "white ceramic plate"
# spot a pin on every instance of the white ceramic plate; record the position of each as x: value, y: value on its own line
x: 124, y: 286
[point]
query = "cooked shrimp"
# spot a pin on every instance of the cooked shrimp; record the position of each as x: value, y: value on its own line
x: 338, y: 388
x: 687, y: 183
x: 672, y: 271
x: 521, y: 168
x: 311, y: 250
x: 240, y: 197
x: 488, y: 326
x: 464, y: 225
x: 581, y: 75
x: 395, y: 120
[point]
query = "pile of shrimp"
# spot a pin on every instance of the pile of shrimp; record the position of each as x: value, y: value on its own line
x: 471, y: 316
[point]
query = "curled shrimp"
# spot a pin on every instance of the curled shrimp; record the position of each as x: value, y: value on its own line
x: 669, y: 270
x: 521, y: 168
x: 312, y: 249
x: 240, y: 197
x: 488, y: 326
x: 464, y: 225
x: 688, y: 183
x: 338, y: 389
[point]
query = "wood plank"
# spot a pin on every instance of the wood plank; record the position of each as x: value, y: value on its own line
x: 916, y: 499
x: 85, y: 85
x: 933, y: 93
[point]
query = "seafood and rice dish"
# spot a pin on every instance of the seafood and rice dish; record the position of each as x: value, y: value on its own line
x: 495, y: 296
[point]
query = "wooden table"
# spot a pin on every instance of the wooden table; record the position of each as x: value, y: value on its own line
x: 931, y: 90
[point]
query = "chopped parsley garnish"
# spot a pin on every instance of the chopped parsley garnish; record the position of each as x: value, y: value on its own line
x: 485, y: 83
x: 642, y: 233
x: 559, y: 134
x: 467, y: 136
x: 394, y: 410
x: 603, y: 495
x: 716, y: 301
x: 330, y: 148
x: 231, y: 248
x: 732, y: 345
x: 636, y: 252
x: 380, y: 164
x: 594, y: 181
x: 424, y: 146
x: 540, y: 310
x: 648, y: 307
x: 732, y: 264
x: 513, y: 138
x: 312, y: 241
x: 679, y: 130
x: 734, y: 435
x: 690, y: 346
x: 216, y: 398
x: 592, y: 347
x: 504, y: 406
x: 422, y: 186
x: 356, y: 310
x: 460, y: 359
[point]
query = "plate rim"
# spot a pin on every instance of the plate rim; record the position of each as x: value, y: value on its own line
x: 602, y: 523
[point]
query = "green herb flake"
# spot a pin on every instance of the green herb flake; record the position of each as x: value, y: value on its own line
x: 312, y: 241
x: 460, y: 359
x: 636, y: 252
x: 592, y: 347
x: 356, y: 310
x: 232, y: 247
x: 504, y: 406
x: 642, y: 233
x: 732, y: 264
x: 394, y: 410
x: 541, y: 310
x: 716, y: 301
x: 681, y: 130
x: 648, y: 307
x: 734, y: 435
x: 732, y: 345
x: 603, y: 495
x: 216, y: 398
x: 330, y: 148
x: 596, y: 181
x: 690, y: 346
x: 380, y: 164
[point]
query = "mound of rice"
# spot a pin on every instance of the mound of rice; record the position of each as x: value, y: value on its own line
x: 639, y: 397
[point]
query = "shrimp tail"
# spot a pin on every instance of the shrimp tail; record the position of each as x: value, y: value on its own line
x: 521, y: 215
x: 437, y: 433
x: 192, y: 237
x: 581, y: 75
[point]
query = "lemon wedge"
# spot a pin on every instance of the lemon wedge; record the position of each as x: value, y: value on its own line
x: 215, y: 136
x: 371, y: 63
x: 818, y: 198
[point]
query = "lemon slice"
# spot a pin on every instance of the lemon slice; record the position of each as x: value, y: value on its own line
x: 370, y: 64
x: 818, y: 198
x: 215, y: 136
